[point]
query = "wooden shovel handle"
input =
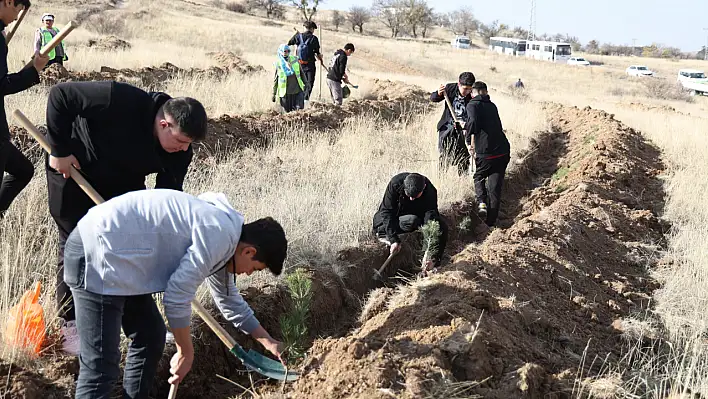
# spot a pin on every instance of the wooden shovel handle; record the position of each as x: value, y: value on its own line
x: 55, y: 41
x: 213, y: 324
x: 9, y: 36
x: 173, y: 391
x: 78, y: 177
x: 449, y: 106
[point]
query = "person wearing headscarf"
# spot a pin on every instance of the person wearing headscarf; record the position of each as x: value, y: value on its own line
x: 288, y: 85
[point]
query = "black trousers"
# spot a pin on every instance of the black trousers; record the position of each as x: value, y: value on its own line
x: 488, y: 181
x: 68, y: 204
x: 19, y: 173
x: 309, y: 71
x: 453, y: 151
x: 293, y: 102
x: 411, y: 223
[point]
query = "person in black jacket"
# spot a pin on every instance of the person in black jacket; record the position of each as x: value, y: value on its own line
x: 410, y: 201
x: 19, y: 169
x: 308, y: 61
x: 116, y: 135
x: 491, y: 150
x: 451, y: 143
x: 338, y: 72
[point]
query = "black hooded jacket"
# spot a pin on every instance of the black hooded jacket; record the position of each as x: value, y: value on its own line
x: 109, y: 127
x: 396, y: 204
x: 451, y: 89
x: 484, y: 124
x: 338, y: 66
x: 11, y: 83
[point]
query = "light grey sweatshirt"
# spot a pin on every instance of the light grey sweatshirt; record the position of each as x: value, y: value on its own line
x: 166, y: 241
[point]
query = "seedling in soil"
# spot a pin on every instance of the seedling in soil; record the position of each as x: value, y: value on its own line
x: 293, y: 324
x: 431, y: 239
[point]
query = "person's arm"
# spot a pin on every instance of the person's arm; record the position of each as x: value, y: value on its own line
x: 37, y: 40
x: 172, y: 177
x: 389, y: 212
x: 275, y: 84
x: 472, y: 126
x: 294, y: 39
x: 439, y: 94
x: 66, y: 102
x: 316, y: 48
x: 11, y: 83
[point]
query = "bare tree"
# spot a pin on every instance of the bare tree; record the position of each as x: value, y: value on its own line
x: 272, y: 8
x: 462, y: 22
x: 442, y: 19
x: 358, y: 16
x: 415, y: 13
x: 491, y: 30
x: 337, y: 19
x: 427, y: 20
x: 390, y: 13
x: 308, y: 8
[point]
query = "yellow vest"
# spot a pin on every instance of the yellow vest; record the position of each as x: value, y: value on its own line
x: 46, y: 38
x: 283, y: 79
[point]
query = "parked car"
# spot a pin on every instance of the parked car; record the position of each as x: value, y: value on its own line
x: 460, y: 42
x: 693, y: 80
x: 578, y: 61
x: 638, y: 70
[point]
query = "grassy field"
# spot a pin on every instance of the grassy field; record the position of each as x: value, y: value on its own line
x: 325, y: 191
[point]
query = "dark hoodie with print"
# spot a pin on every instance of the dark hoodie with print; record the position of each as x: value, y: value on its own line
x: 337, y: 66
x: 109, y: 127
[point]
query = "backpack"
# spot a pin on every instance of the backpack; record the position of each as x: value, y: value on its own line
x: 304, y: 52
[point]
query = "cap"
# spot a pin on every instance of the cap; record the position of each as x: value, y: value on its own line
x: 413, y: 184
x: 47, y: 17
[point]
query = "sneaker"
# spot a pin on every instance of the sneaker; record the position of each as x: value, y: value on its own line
x: 70, y: 338
x: 482, y: 209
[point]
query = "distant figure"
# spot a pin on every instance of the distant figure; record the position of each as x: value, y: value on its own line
x: 308, y: 52
x: 519, y: 84
x: 490, y: 150
x: 338, y: 73
x: 451, y: 144
x: 44, y: 35
x: 410, y: 201
x: 287, y: 84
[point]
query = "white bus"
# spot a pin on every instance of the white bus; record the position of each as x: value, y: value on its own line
x: 507, y: 45
x: 548, y: 51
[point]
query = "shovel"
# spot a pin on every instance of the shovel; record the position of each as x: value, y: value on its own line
x: 22, y: 16
x: 252, y: 360
x: 457, y: 123
x: 377, y: 273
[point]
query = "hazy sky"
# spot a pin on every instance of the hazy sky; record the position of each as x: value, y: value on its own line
x: 677, y: 24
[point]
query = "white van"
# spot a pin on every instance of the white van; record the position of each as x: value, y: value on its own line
x: 460, y: 42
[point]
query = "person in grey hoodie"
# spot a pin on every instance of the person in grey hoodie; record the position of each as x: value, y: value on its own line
x: 160, y: 240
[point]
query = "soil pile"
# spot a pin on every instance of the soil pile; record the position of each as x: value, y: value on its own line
x: 232, y: 62
x: 109, y: 43
x: 514, y: 316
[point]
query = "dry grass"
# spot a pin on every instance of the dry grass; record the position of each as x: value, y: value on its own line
x: 325, y: 191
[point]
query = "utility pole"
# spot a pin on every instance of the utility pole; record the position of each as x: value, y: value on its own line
x: 532, y: 22
x: 634, y: 46
x: 705, y: 49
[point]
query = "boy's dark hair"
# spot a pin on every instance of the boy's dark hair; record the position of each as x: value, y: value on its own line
x: 25, y: 3
x: 190, y: 116
x: 349, y: 46
x: 479, y: 85
x: 467, y: 78
x: 310, y: 25
x: 268, y: 237
x: 413, y: 184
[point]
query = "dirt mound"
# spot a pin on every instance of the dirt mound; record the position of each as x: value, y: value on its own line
x: 53, y: 382
x: 232, y: 62
x: 514, y: 316
x: 394, y: 90
x: 109, y: 43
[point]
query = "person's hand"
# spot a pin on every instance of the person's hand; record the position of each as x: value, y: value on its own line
x: 39, y: 61
x: 441, y: 90
x: 273, y: 346
x: 395, y: 248
x: 180, y: 364
x: 63, y: 164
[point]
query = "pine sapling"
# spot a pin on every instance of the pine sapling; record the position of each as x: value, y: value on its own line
x: 431, y: 239
x: 293, y: 324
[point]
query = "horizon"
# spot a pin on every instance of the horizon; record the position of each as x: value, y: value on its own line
x: 633, y: 20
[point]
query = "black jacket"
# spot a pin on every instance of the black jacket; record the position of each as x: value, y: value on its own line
x: 11, y: 83
x: 109, y: 127
x: 314, y: 45
x: 484, y: 124
x: 396, y: 204
x: 451, y: 89
x: 337, y: 66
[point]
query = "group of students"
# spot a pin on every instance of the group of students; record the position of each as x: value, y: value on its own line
x: 295, y: 74
x: 115, y: 255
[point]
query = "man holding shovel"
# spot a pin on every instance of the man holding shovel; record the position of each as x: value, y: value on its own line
x: 148, y: 241
x: 116, y: 135
x: 308, y: 52
x: 338, y: 72
x: 451, y: 143
x: 19, y: 169
x: 410, y: 201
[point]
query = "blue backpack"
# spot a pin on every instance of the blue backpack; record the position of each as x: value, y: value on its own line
x: 304, y: 52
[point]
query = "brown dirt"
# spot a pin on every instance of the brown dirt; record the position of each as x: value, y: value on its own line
x: 52, y: 382
x: 545, y: 290
x: 232, y: 62
x: 108, y: 43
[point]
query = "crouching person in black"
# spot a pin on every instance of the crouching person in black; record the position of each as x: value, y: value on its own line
x: 410, y: 202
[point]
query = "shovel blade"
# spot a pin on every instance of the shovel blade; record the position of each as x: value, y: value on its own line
x: 263, y: 365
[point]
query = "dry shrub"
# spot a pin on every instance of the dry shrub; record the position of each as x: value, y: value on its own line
x: 105, y: 24
x: 662, y: 88
x: 618, y: 92
x: 237, y: 7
